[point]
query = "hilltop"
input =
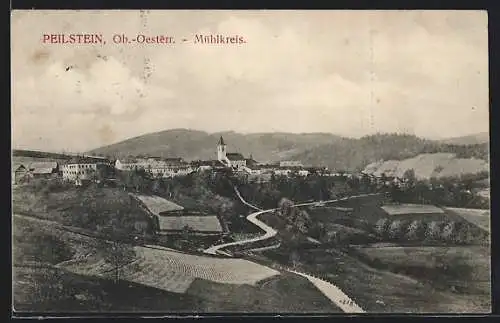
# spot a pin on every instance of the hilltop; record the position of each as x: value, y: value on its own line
x: 194, y: 145
x: 333, y: 151
x: 478, y: 138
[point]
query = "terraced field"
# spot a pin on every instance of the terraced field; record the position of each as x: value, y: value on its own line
x: 411, y: 209
x: 174, y: 272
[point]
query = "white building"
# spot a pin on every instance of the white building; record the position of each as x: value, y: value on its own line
x: 234, y: 160
x: 85, y: 169
x: 291, y: 163
x: 169, y: 167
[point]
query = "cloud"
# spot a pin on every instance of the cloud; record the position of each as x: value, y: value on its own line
x: 350, y: 73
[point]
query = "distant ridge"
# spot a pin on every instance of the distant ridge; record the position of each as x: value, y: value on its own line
x: 333, y: 151
x: 40, y: 154
x: 478, y: 138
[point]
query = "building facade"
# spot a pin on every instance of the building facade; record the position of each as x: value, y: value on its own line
x: 85, y: 169
x: 157, y: 167
x: 233, y: 160
x: 291, y: 163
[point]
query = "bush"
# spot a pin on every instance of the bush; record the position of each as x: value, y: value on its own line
x: 381, y: 227
x: 396, y: 229
x: 416, y: 230
x: 448, y: 231
x: 433, y: 230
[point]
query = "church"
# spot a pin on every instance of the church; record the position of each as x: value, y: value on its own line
x: 233, y: 160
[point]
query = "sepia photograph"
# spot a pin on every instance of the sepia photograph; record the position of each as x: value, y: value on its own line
x: 169, y: 162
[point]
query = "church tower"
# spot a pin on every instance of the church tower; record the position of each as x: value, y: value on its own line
x: 221, y: 150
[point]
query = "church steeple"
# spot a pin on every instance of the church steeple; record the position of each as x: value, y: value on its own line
x: 221, y: 150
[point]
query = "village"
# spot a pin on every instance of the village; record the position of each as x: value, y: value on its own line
x: 81, y: 169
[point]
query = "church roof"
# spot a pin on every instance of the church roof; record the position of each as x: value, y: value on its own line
x: 235, y: 156
x: 221, y: 141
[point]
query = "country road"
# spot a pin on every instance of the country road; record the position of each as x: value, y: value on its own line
x: 269, y: 231
x: 332, y: 292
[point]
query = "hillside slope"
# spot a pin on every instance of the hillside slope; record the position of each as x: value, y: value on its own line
x: 356, y: 154
x: 193, y: 145
x: 427, y: 166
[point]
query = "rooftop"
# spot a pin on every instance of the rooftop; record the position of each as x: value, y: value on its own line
x: 157, y: 204
x: 202, y: 223
x: 235, y: 156
x: 88, y: 160
x: 43, y: 165
x: 43, y: 170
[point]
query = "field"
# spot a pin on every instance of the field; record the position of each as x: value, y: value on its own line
x: 39, y: 286
x: 173, y: 271
x: 444, y: 278
x: 464, y: 269
x: 479, y: 217
x: 401, y: 209
x: 427, y: 166
x: 85, y: 207
x: 50, y: 290
x: 287, y: 293
x: 377, y: 290
x: 42, y: 282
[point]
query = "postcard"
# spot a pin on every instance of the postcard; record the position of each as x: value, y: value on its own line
x: 263, y: 161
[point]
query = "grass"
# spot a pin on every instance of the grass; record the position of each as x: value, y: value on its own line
x: 478, y: 217
x: 376, y: 290
x: 403, y: 209
x: 51, y: 290
x: 463, y: 269
x: 86, y: 207
x: 38, y: 286
x: 286, y: 293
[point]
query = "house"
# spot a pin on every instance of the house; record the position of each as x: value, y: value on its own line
x: 290, y: 163
x: 84, y: 169
x: 204, y: 165
x: 20, y: 174
x: 44, y: 169
x: 282, y: 171
x: 126, y: 164
x: 157, y: 166
x: 303, y: 172
x: 234, y: 160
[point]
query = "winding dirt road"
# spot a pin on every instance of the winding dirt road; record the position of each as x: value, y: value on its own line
x: 269, y: 231
x: 332, y: 292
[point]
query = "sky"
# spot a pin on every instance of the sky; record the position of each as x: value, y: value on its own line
x: 350, y: 73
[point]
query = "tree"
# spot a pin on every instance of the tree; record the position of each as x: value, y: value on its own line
x: 396, y: 229
x: 318, y: 231
x: 381, y: 226
x: 285, y: 206
x: 294, y: 259
x: 433, y: 230
x: 416, y: 230
x: 118, y: 255
x: 409, y: 176
x: 448, y: 231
